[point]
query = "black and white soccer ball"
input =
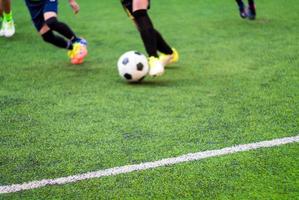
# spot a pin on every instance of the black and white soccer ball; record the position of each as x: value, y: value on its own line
x: 133, y: 66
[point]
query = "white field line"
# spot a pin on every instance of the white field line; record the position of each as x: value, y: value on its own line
x: 148, y: 165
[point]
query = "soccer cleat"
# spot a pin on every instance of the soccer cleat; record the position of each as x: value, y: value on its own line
x: 156, y: 66
x: 79, y: 52
x: 251, y: 12
x: 243, y: 14
x: 8, y: 28
x: 168, y: 59
x: 242, y: 10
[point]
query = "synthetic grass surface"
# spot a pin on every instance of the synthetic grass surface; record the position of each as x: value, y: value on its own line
x: 237, y: 82
x: 261, y: 174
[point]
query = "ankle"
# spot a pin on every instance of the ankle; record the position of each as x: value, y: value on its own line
x: 7, y: 16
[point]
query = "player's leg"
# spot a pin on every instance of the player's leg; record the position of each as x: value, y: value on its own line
x: 76, y: 44
x: 168, y: 55
x: 242, y: 11
x: 251, y: 10
x: 8, y: 23
x: 145, y: 27
x: 63, y: 29
x: 148, y: 35
x: 152, y: 39
x: 36, y: 11
x: 54, y: 39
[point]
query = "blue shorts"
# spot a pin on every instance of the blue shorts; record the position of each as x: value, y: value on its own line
x: 37, y: 8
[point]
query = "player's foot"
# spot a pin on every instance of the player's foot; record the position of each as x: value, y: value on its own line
x: 79, y: 52
x: 251, y: 12
x: 243, y: 13
x: 156, y: 66
x: 242, y: 10
x: 8, y: 28
x: 168, y: 59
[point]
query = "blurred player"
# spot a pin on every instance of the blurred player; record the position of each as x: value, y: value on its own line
x: 44, y: 17
x: 7, y: 27
x: 247, y: 12
x: 152, y: 39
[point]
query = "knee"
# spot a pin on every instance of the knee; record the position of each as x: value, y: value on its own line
x: 52, y: 22
x: 140, y: 13
x: 140, y: 5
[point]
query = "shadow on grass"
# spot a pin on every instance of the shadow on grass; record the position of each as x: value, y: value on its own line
x: 154, y: 83
x: 173, y: 67
x: 82, y: 67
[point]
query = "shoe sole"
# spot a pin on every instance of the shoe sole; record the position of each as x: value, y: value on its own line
x: 157, y: 74
x: 9, y: 36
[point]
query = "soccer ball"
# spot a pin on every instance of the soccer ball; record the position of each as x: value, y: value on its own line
x: 132, y: 66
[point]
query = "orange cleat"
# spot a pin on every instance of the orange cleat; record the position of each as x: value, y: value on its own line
x: 78, y: 53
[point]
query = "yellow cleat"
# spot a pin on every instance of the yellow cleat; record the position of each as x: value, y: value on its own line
x: 156, y: 66
x: 71, y: 53
x: 168, y: 59
x: 78, y: 53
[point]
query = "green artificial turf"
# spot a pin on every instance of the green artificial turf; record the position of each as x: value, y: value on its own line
x: 261, y: 174
x: 237, y: 82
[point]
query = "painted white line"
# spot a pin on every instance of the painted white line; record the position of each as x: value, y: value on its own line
x: 148, y: 165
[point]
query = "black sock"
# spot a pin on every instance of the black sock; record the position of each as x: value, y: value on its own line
x: 162, y: 46
x: 61, y: 28
x: 251, y: 3
x: 147, y: 31
x: 57, y: 40
x: 240, y: 4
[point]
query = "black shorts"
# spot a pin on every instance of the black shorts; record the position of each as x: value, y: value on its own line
x: 128, y: 5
